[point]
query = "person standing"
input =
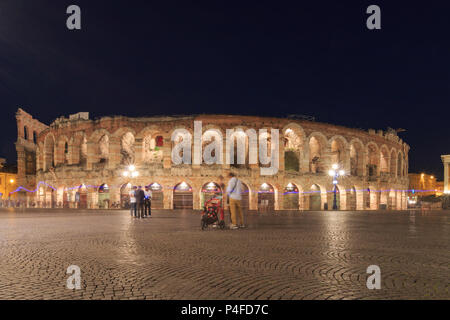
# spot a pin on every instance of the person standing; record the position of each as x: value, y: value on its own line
x: 148, y: 201
x: 234, y: 190
x: 133, y: 201
x: 140, y: 197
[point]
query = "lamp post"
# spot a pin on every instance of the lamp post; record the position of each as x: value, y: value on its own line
x: 335, y: 173
x: 131, y: 172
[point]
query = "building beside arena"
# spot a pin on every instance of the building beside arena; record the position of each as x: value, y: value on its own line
x: 78, y: 162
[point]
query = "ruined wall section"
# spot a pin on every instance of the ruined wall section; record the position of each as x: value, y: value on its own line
x: 28, y: 131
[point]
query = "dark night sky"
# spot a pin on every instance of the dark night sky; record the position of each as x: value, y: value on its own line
x: 265, y: 58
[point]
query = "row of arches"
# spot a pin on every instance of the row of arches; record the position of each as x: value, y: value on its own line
x: 314, y: 153
x: 266, y: 197
x: 100, y: 148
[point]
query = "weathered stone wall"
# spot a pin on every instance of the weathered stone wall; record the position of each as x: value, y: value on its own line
x: 28, y: 130
x: 81, y: 152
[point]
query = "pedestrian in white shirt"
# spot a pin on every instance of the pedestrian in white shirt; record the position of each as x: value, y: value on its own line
x: 234, y: 190
x: 148, y: 202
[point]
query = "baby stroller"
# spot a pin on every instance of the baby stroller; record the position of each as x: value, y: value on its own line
x: 213, y: 213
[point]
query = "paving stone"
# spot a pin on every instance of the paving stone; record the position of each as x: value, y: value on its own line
x: 290, y: 255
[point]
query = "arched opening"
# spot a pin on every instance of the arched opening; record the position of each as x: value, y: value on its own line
x: 266, y: 198
x: 330, y: 199
x: 337, y: 152
x: 372, y: 162
x: 315, y: 156
x: 103, y: 196
x: 212, y: 146
x: 356, y: 159
x: 209, y: 191
x: 81, y: 197
x: 153, y: 149
x: 351, y: 199
x: 50, y: 197
x: 182, y: 196
x: 125, y: 196
x: 25, y: 133
x: 291, y: 161
x: 291, y: 197
x: 315, y: 198
x: 182, y: 146
x: 239, y: 146
x: 384, y: 161
x: 293, y: 145
x: 157, y: 196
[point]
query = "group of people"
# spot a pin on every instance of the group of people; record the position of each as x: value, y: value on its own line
x: 140, y: 202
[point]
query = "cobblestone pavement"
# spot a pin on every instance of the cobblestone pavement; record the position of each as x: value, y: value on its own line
x: 309, y: 255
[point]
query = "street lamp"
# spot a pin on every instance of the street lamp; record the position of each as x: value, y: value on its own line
x: 335, y: 173
x: 131, y: 172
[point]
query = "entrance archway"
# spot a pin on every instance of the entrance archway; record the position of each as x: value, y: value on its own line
x: 81, y: 197
x: 315, y: 198
x: 266, y: 198
x: 157, y: 196
x: 330, y: 198
x: 209, y: 191
x: 290, y: 197
x: 103, y: 196
x: 125, y: 196
x: 182, y: 196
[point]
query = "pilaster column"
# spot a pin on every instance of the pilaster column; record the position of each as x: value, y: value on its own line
x: 21, y: 164
x: 167, y: 193
x: 138, y: 151
x: 304, y: 159
x: 167, y: 153
x: 346, y: 161
x: 114, y: 152
x: 281, y: 153
x: 92, y: 155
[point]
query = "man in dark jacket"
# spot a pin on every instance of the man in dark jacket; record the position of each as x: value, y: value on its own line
x: 140, y: 198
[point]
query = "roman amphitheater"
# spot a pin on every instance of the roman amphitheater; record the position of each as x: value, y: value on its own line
x: 77, y: 162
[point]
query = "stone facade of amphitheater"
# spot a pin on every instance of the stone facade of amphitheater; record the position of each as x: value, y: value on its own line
x: 79, y: 163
